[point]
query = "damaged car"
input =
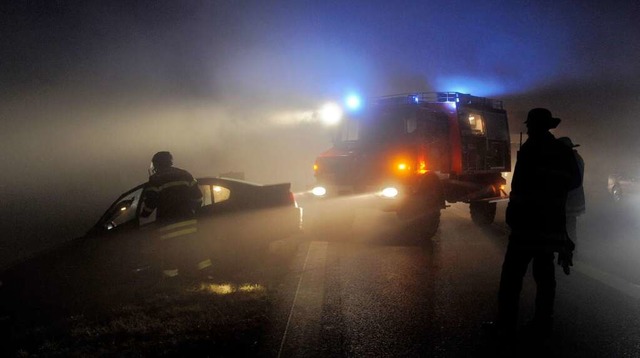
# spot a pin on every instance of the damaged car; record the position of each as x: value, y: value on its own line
x: 119, y: 255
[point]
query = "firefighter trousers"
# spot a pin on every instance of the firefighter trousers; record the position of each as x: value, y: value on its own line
x: 181, y: 249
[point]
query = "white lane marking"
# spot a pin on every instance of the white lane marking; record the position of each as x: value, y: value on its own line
x: 610, y: 280
x: 318, y: 252
x: 295, y: 298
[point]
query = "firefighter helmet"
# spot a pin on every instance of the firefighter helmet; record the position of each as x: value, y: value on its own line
x: 161, y: 160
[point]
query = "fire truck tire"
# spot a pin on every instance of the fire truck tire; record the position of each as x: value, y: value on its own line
x: 482, y: 213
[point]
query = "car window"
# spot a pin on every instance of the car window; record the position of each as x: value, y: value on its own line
x: 124, y: 210
x: 207, y: 199
x: 220, y: 193
x: 213, y: 194
x: 149, y: 219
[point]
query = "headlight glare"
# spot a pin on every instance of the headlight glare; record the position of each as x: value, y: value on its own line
x: 319, y: 191
x: 389, y: 192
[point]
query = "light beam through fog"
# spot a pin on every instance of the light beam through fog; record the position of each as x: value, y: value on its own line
x: 89, y: 92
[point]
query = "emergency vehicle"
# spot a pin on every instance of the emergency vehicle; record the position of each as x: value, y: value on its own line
x: 417, y: 151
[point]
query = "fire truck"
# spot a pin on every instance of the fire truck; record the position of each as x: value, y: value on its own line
x: 416, y: 152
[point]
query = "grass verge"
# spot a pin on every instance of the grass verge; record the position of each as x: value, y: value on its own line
x: 224, y: 314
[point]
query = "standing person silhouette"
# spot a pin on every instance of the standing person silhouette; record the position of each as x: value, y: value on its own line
x: 545, y: 171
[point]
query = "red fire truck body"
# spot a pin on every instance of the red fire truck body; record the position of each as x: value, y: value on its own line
x: 416, y: 151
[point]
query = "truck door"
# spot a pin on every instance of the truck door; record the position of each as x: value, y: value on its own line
x: 485, y: 141
x: 498, y: 155
x: 474, y: 140
x: 433, y: 127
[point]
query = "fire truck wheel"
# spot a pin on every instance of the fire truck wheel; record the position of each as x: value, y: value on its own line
x: 482, y: 213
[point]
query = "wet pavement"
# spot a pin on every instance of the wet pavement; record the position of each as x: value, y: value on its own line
x: 378, y: 290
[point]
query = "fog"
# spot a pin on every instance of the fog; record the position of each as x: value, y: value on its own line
x: 68, y: 169
x: 88, y: 92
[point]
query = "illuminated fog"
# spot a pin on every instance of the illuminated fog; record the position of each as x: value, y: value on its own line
x: 88, y: 92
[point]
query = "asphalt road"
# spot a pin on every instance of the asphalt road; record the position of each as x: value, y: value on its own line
x: 377, y: 290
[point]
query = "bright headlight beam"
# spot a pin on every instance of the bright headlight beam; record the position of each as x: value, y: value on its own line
x: 319, y: 191
x: 331, y: 113
x: 389, y: 192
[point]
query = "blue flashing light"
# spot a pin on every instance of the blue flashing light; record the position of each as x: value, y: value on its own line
x: 416, y: 98
x: 477, y: 86
x: 353, y: 102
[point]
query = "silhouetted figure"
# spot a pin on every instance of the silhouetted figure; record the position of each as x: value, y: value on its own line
x: 575, y: 198
x: 172, y: 191
x: 545, y: 171
x: 175, y: 196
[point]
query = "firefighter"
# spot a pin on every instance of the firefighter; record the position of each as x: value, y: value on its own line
x: 174, y: 194
x: 545, y: 171
x: 575, y: 198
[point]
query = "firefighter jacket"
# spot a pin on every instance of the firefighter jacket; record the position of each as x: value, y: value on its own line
x: 546, y: 170
x: 173, y: 192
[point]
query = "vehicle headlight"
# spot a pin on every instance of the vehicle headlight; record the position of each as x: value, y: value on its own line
x: 319, y: 191
x: 331, y: 114
x: 389, y: 192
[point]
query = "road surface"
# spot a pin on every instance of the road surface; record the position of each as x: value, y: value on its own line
x: 379, y: 291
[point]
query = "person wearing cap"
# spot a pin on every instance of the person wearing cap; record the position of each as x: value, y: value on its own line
x: 575, y: 198
x: 175, y: 196
x: 544, y: 173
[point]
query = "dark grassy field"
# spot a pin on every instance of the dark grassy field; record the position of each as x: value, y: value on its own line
x: 223, y: 314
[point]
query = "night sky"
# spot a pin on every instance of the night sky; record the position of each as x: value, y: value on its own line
x: 90, y: 90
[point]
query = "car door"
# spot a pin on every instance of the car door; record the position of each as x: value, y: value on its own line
x: 120, y: 247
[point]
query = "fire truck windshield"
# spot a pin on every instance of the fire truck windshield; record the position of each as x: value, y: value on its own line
x: 375, y: 128
x: 349, y: 130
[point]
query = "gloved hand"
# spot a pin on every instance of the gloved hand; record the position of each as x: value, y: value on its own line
x: 565, y: 259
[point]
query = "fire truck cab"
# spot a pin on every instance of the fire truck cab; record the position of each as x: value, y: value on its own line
x: 417, y: 151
